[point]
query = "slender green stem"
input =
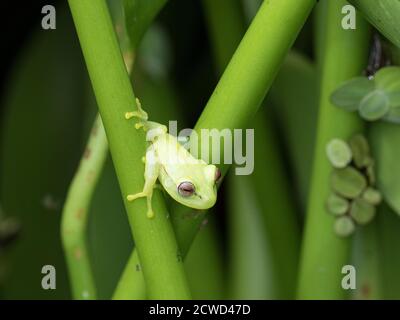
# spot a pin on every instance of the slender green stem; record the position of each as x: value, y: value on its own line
x: 324, y: 253
x: 271, y: 189
x: 294, y: 98
x: 154, y: 238
x: 389, y: 255
x: 76, y: 211
x: 278, y: 212
x: 254, y: 65
x: 242, y: 88
x: 384, y: 15
x: 131, y: 284
x: 226, y: 33
x: 250, y: 273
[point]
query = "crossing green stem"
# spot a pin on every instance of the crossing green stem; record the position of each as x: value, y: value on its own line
x: 240, y: 91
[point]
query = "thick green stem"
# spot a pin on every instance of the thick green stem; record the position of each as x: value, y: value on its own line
x: 384, y: 15
x: 242, y: 87
x: 254, y: 65
x: 324, y: 253
x: 76, y: 210
x: 154, y: 238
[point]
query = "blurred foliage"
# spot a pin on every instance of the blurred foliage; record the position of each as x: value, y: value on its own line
x: 48, y: 108
x: 295, y: 101
x: 42, y: 137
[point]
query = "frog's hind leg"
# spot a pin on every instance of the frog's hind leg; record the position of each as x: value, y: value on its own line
x: 151, y: 172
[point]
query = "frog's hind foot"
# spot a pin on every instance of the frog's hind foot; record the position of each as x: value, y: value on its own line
x: 132, y: 197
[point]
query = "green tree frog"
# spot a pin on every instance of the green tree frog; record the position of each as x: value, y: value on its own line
x: 189, y: 181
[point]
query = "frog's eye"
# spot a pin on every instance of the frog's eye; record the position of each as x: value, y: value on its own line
x: 186, y: 189
x: 217, y: 175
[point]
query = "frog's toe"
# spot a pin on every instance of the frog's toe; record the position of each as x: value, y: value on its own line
x: 139, y: 125
x: 129, y: 115
x: 150, y: 214
x: 131, y: 197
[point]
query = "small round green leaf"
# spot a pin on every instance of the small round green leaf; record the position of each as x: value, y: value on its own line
x: 362, y: 211
x: 337, y: 205
x: 344, y: 226
x: 360, y: 150
x: 339, y: 153
x: 349, y: 95
x: 348, y: 182
x: 372, y: 196
x: 388, y: 79
x: 374, y: 105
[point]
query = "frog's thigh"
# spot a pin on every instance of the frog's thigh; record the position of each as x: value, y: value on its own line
x: 151, y: 172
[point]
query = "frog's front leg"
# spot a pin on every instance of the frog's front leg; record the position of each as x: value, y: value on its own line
x: 152, y: 169
x: 153, y: 129
x: 140, y: 113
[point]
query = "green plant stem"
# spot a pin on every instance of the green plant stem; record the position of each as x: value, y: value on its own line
x: 154, y: 238
x: 76, y: 210
x: 254, y: 65
x: 324, y: 253
x: 278, y: 212
x: 239, y: 93
x: 389, y: 256
x: 250, y: 271
x: 82, y: 189
x: 294, y: 98
x: 78, y: 201
x: 244, y: 85
x: 270, y: 187
x: 384, y: 15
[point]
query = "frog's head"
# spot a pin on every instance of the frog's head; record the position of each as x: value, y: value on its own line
x: 198, y: 189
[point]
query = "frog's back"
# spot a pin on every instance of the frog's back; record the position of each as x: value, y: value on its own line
x: 170, y: 152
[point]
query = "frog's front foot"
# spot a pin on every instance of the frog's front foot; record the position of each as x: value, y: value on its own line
x: 140, y: 113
